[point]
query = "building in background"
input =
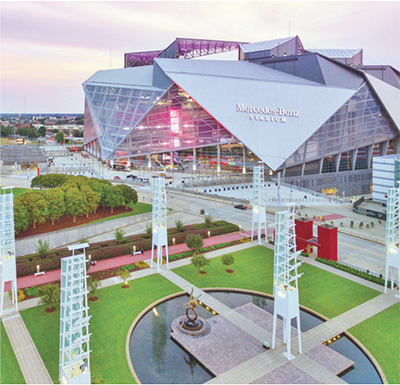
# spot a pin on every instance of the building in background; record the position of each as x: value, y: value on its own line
x: 316, y: 116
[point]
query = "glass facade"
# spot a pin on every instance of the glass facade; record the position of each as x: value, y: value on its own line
x: 360, y: 122
x: 175, y: 122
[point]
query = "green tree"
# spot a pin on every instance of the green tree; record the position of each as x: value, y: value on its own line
x: 59, y: 137
x: 93, y: 284
x: 124, y: 275
x: 42, y: 131
x: 42, y: 248
x: 194, y: 242
x: 83, y: 239
x: 75, y: 202
x: 199, y: 261
x: 49, y: 295
x: 111, y: 198
x: 92, y: 199
x: 129, y: 194
x: 208, y: 220
x: 21, y: 218
x: 6, y: 132
x: 179, y: 225
x: 56, y: 204
x: 119, y: 235
x: 228, y: 260
x: 36, y: 205
x: 149, y: 229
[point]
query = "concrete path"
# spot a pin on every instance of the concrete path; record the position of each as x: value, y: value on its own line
x: 30, y: 362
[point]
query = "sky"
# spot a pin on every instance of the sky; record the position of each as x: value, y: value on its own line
x: 49, y: 48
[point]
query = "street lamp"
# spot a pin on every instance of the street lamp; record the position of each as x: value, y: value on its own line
x: 343, y: 197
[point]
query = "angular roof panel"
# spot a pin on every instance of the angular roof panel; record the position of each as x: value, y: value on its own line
x: 264, y: 45
x: 336, y: 53
x: 389, y: 96
x: 269, y: 111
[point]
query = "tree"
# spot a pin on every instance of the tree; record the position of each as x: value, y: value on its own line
x: 149, y: 229
x: 129, y: 194
x: 179, y: 225
x: 55, y: 203
x: 119, y: 235
x: 111, y: 198
x: 228, y: 260
x: 92, y: 199
x: 199, y: 261
x: 194, y: 242
x: 42, y: 130
x: 208, y: 220
x: 42, y: 248
x: 21, y: 218
x: 59, y: 137
x: 124, y: 275
x: 75, y: 202
x: 49, y: 295
x: 6, y: 131
x: 36, y: 205
x: 93, y: 284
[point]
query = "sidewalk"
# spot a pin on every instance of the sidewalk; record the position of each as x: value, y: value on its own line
x: 54, y: 275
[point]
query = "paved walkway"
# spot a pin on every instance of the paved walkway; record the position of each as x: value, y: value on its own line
x: 29, y: 360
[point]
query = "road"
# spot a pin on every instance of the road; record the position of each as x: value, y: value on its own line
x: 351, y: 250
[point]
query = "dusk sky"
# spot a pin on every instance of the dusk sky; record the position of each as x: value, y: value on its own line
x: 48, y: 49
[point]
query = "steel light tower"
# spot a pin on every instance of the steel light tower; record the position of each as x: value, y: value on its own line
x: 74, y: 360
x: 159, y: 222
x: 286, y: 293
x: 392, y: 235
x: 259, y: 216
x: 8, y: 267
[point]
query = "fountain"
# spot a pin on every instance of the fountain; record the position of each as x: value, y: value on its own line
x: 192, y: 325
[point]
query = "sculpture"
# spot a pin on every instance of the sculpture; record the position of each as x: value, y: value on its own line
x: 191, y: 323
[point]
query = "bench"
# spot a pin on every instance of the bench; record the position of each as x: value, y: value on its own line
x: 40, y: 273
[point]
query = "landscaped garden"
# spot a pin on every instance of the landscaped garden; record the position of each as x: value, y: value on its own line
x: 116, y: 309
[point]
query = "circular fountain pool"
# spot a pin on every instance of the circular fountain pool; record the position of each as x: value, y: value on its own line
x: 157, y: 358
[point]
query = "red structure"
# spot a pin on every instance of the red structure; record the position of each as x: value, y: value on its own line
x: 327, y: 238
x: 326, y: 241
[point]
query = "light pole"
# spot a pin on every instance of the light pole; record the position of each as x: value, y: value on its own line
x: 343, y: 196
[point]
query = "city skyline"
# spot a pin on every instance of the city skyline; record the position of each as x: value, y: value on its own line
x: 50, y: 48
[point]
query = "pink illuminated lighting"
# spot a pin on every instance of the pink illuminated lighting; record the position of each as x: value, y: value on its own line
x: 174, y: 115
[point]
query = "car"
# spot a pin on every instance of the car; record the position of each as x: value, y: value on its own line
x: 131, y: 176
x: 117, y: 178
x: 241, y: 207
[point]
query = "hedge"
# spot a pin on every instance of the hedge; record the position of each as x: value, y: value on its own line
x: 26, y: 265
x: 354, y: 271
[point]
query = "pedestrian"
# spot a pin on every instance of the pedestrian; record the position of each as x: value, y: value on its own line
x: 143, y: 198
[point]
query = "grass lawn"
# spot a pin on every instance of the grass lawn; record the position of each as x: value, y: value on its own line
x: 380, y: 335
x: 10, y: 373
x: 319, y: 290
x: 138, y: 208
x: 111, y: 318
x: 18, y: 191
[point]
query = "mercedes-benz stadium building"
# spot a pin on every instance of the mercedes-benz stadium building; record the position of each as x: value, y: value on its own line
x: 317, y: 116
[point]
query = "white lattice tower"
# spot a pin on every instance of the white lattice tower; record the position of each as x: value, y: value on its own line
x: 259, y: 216
x: 286, y: 303
x: 8, y: 267
x: 74, y: 364
x: 159, y: 222
x: 392, y: 235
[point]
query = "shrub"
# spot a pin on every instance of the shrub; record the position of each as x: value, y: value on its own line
x: 83, y: 239
x: 130, y: 267
x: 42, y: 248
x: 304, y: 254
x: 124, y: 274
x: 352, y: 270
x: 179, y: 225
x: 208, y: 220
x: 93, y: 284
x: 141, y: 264
x: 31, y: 291
x: 119, y: 235
x: 149, y: 229
x: 20, y: 295
x: 199, y: 261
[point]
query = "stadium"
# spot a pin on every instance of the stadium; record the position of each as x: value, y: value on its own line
x: 316, y: 116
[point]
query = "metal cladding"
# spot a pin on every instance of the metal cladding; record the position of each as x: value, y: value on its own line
x: 268, y: 100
